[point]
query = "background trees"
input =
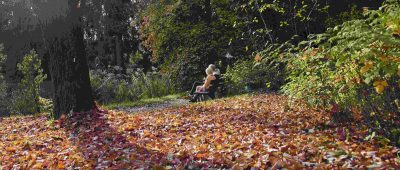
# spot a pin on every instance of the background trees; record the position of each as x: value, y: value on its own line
x: 54, y: 28
x: 180, y: 38
x: 184, y: 36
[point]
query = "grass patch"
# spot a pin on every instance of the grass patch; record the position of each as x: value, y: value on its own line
x: 142, y: 102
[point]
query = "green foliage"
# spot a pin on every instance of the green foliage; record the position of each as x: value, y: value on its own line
x: 355, y: 66
x: 272, y: 60
x: 353, y: 14
x: 25, y: 98
x: 244, y: 75
x: 266, y: 22
x: 266, y: 71
x: 185, y: 36
x: 45, y: 105
x: 111, y: 86
x: 152, y: 84
x: 241, y: 75
x: 135, y: 58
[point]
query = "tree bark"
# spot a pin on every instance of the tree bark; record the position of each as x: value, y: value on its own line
x: 68, y: 65
x: 208, y: 12
x: 118, y: 51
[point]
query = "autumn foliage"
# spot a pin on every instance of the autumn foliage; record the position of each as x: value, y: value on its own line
x: 242, y: 132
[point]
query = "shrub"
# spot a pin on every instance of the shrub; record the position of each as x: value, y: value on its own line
x: 353, y: 67
x: 45, y: 105
x: 152, y: 84
x: 112, y: 86
x: 241, y: 76
x: 267, y: 71
x: 25, y: 99
x: 106, y: 84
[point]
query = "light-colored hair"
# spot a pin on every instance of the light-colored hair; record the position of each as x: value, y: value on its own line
x: 212, y: 66
x: 209, y: 71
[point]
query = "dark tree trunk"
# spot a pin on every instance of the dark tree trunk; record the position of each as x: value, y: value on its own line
x: 68, y: 65
x: 118, y: 51
x: 208, y: 12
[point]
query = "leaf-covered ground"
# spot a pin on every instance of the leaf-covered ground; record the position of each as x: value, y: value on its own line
x: 242, y: 132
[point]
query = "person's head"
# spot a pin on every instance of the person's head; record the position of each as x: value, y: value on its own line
x: 212, y: 66
x: 209, y: 71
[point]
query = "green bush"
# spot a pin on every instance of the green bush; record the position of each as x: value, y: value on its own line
x: 25, y: 98
x: 45, y: 105
x: 152, y: 84
x: 353, y: 67
x: 111, y: 86
x: 352, y: 14
x: 242, y: 76
x: 267, y: 71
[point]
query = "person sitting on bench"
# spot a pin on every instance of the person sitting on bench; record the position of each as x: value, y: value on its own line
x: 207, y: 83
x: 216, y: 73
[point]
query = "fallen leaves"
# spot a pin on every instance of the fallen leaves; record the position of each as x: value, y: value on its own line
x: 238, y: 133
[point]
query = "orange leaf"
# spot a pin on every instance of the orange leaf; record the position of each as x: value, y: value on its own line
x: 11, y: 149
x: 130, y: 127
x: 368, y: 66
x: 257, y: 58
x: 201, y: 155
x: 60, y: 165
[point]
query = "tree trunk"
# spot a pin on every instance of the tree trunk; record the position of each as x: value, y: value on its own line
x: 68, y: 65
x: 118, y: 51
x: 208, y: 12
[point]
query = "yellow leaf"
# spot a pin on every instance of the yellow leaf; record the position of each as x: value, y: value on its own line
x: 176, y: 123
x: 384, y: 83
x: 379, y: 89
x: 376, y: 83
x: 203, y: 148
x: 398, y: 70
x: 381, y: 82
